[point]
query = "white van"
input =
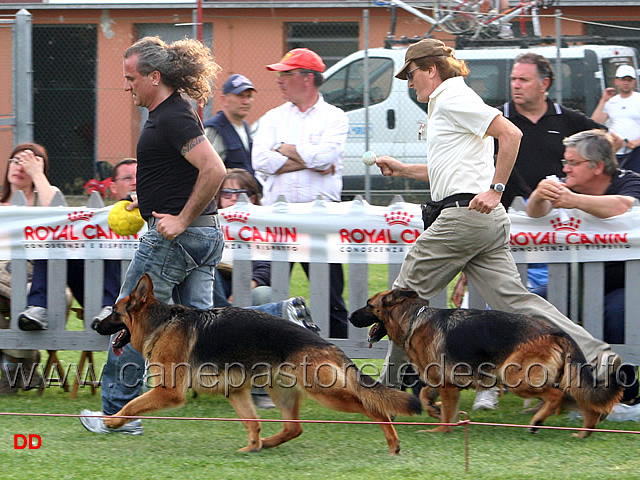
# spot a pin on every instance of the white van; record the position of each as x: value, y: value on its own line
x: 395, y: 116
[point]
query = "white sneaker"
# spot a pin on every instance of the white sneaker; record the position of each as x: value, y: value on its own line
x: 486, y: 399
x: 506, y: 33
x: 94, y: 422
x: 33, y: 318
x: 104, y: 313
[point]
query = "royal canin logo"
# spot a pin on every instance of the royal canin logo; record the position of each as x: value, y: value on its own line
x: 566, y: 232
x: 81, y: 215
x: 398, y: 217
x: 241, y: 217
x: 570, y: 225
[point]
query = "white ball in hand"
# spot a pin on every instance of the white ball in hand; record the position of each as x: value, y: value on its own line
x: 369, y: 158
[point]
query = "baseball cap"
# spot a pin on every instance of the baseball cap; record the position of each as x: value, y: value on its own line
x: 625, y: 71
x: 237, y: 84
x: 428, y: 47
x: 299, y: 58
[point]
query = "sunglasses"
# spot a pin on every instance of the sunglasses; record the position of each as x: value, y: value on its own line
x: 230, y: 192
x: 410, y: 74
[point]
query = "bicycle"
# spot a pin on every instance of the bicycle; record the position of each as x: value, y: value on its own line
x: 477, y: 18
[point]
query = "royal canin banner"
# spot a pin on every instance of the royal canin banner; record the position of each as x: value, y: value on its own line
x: 346, y: 232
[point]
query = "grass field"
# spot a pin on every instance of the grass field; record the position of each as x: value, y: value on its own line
x: 207, y: 449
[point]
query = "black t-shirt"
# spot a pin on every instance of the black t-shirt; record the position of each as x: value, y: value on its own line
x: 541, y: 148
x: 165, y: 179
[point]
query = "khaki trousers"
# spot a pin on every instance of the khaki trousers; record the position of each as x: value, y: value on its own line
x: 478, y: 244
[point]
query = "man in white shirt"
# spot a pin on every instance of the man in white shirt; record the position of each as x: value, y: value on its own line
x: 621, y: 112
x: 298, y: 149
x: 469, y: 229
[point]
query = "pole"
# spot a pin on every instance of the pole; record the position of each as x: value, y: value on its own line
x: 365, y: 32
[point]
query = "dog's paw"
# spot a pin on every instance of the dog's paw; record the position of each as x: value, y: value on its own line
x: 440, y: 429
x: 114, y: 422
x: 249, y: 449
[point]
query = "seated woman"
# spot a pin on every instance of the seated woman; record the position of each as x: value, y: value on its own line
x: 27, y: 172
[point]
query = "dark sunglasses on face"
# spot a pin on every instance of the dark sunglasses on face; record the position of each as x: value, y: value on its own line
x: 230, y: 192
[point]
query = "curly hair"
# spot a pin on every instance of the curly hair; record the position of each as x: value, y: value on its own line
x: 185, y: 65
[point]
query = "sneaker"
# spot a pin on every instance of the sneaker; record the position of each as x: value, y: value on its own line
x: 33, y: 318
x: 486, y: 399
x: 94, y: 422
x: 298, y: 312
x: 104, y: 313
x: 263, y: 401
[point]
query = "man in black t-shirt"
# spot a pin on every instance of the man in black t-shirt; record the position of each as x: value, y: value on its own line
x: 178, y: 175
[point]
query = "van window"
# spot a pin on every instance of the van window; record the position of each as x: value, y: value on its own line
x: 345, y: 88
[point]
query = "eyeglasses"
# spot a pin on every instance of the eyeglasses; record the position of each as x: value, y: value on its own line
x: 410, y: 74
x: 230, y: 192
x: 126, y: 178
x: 571, y: 163
x: 15, y: 161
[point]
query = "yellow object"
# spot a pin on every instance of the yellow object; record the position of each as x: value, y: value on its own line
x: 123, y: 221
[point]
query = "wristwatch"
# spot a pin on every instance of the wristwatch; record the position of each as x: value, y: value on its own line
x: 498, y: 187
x: 277, y: 146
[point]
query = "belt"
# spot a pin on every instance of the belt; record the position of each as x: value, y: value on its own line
x: 460, y: 200
x: 201, y: 221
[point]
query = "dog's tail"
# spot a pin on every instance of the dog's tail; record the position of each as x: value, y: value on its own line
x: 381, y: 399
x: 580, y: 381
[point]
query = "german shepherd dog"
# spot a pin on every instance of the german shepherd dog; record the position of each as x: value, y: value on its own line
x: 226, y: 350
x: 454, y: 349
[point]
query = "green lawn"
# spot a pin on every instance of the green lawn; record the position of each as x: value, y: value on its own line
x: 207, y: 449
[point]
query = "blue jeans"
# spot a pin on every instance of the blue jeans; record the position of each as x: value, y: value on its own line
x: 182, y: 271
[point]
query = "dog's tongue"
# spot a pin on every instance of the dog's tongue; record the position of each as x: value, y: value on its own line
x: 117, y: 351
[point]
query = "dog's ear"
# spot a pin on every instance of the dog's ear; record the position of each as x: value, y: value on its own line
x: 143, y: 291
x: 398, y: 295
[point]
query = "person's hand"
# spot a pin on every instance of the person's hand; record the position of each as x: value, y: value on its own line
x: 389, y: 166
x: 608, y: 94
x: 33, y: 165
x: 565, y: 198
x: 485, y: 202
x: 329, y: 171
x: 169, y: 226
x: 458, y: 291
x: 550, y: 190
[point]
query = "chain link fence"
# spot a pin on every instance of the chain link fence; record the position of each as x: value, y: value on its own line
x: 85, y: 119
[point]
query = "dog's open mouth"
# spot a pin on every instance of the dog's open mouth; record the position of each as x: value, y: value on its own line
x: 121, y: 339
x: 376, y: 332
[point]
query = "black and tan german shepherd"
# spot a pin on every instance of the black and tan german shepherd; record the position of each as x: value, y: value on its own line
x: 227, y: 350
x: 459, y: 348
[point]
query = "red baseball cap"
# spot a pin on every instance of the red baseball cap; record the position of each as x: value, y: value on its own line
x: 299, y: 58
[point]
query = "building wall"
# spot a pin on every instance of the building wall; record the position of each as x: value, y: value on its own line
x: 244, y: 41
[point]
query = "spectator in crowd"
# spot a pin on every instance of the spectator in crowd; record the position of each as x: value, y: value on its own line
x: 35, y: 316
x: 27, y: 172
x: 178, y: 176
x: 228, y: 130
x: 466, y: 189
x: 299, y: 147
x: 237, y: 182
x: 595, y: 185
x: 621, y: 112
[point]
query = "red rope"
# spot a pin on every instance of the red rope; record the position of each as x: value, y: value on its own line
x: 465, y: 422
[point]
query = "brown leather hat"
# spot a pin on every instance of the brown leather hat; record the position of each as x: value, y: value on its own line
x: 429, y: 47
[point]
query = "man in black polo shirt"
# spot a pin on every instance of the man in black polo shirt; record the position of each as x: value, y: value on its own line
x: 544, y: 125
